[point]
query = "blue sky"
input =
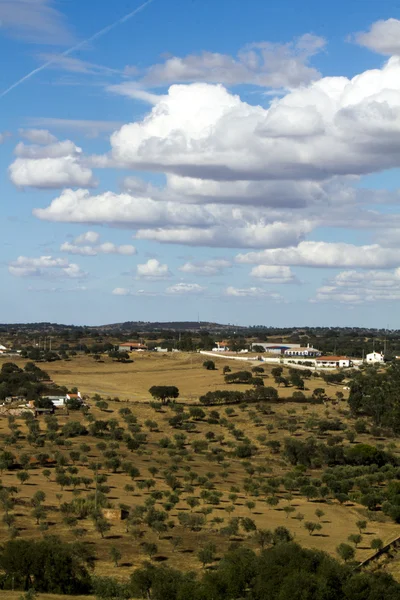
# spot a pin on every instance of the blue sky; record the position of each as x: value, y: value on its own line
x: 236, y: 162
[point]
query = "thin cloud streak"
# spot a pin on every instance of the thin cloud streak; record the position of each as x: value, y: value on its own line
x: 94, y: 37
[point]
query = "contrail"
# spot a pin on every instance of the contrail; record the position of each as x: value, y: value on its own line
x: 77, y: 46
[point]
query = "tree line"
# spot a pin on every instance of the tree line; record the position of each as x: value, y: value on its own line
x: 282, y: 571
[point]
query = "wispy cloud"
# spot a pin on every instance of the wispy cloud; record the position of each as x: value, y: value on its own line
x: 86, y: 127
x: 76, y: 65
x: 262, y: 64
x: 4, y: 136
x: 34, y: 21
x: 74, y: 48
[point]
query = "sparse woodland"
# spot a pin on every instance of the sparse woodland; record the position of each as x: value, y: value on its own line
x: 165, y: 498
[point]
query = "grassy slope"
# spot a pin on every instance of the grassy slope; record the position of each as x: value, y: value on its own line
x: 338, y: 522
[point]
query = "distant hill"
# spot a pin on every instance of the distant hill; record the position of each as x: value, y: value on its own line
x: 169, y: 326
x: 143, y: 326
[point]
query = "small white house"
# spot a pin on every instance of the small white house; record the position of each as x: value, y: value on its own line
x: 58, y: 401
x: 340, y: 362
x: 221, y: 346
x: 76, y: 396
x: 375, y: 357
x: 3, y: 349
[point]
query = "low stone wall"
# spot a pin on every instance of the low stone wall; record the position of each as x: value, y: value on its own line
x: 383, y: 553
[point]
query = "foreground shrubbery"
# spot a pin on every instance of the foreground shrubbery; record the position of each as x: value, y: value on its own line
x: 283, y: 572
x: 30, y: 381
x: 48, y: 565
x: 376, y: 394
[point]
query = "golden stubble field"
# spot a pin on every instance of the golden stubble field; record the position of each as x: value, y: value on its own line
x: 131, y: 382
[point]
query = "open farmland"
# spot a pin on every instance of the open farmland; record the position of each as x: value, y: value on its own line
x: 219, y: 475
x: 131, y: 381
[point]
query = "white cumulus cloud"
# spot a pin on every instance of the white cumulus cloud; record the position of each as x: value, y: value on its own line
x: 105, y: 248
x: 334, y: 126
x: 87, y: 244
x: 45, y: 266
x: 273, y: 274
x: 51, y: 166
x: 153, y: 269
x: 383, y: 37
x: 89, y: 237
x: 176, y: 222
x: 274, y: 194
x: 273, y: 235
x: 325, y: 254
x: 120, y: 291
x: 214, y: 266
x: 185, y: 288
x: 251, y: 292
x: 355, y: 287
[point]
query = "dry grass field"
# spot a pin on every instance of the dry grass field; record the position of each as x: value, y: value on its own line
x: 130, y: 382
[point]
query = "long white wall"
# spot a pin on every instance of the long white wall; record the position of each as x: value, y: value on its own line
x: 288, y: 362
x: 220, y: 355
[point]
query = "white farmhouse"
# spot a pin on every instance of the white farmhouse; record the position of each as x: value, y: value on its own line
x: 375, y: 357
x: 221, y: 346
x: 58, y: 401
x: 340, y: 362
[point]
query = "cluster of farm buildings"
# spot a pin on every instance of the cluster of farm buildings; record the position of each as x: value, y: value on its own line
x: 299, y: 354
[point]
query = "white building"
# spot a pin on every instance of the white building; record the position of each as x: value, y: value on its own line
x: 339, y: 362
x: 221, y: 346
x: 274, y: 348
x: 76, y: 396
x: 3, y: 349
x: 375, y: 357
x: 301, y: 351
x: 60, y: 401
